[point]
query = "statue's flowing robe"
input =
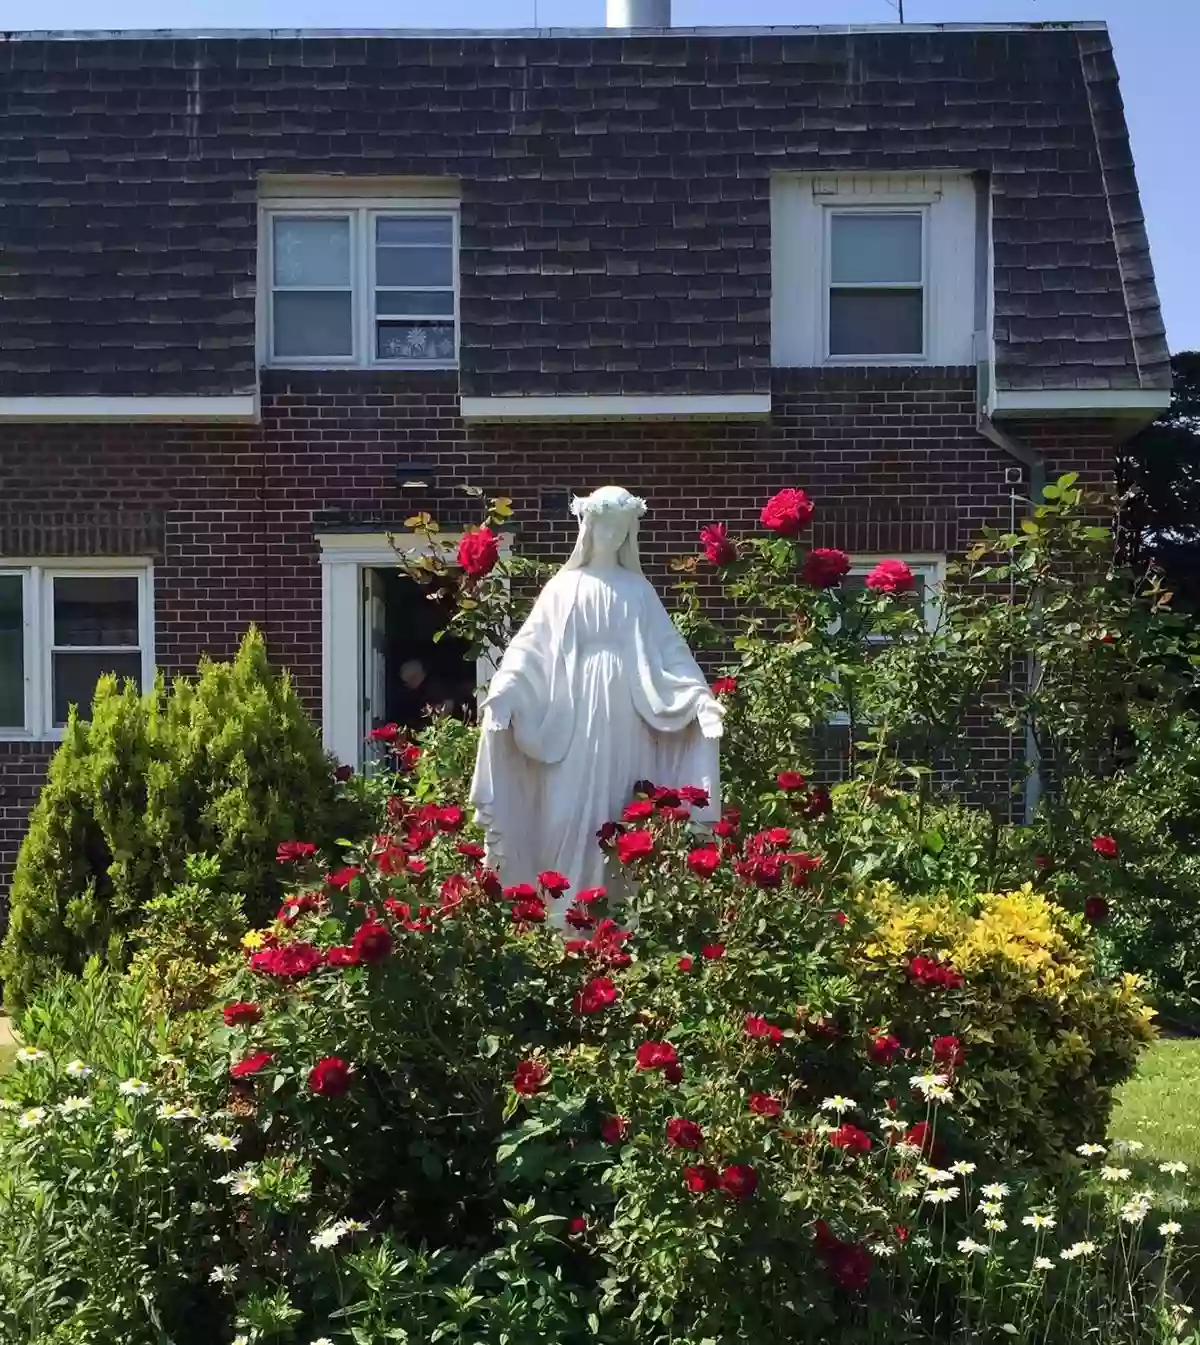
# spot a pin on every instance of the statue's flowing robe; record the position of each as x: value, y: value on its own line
x: 605, y: 693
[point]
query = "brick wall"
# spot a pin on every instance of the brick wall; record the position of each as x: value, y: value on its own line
x: 230, y: 514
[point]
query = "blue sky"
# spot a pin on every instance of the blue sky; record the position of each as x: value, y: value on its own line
x: 1156, y: 43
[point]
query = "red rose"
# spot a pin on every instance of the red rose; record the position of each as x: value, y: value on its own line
x: 928, y: 972
x: 883, y: 1048
x: 765, y: 873
x: 613, y: 1129
x: 407, y: 758
x: 521, y: 892
x: 849, y: 1266
x: 713, y: 952
x: 656, y: 1055
x: 478, y: 553
x: 530, y: 911
x: 724, y: 686
x: 1095, y: 909
x: 719, y: 548
x: 684, y: 1134
x: 590, y: 895
x: 384, y: 733
x: 553, y: 883
x: 840, y: 918
x: 294, y: 852
x: 372, y: 942
x: 343, y: 773
x: 489, y: 884
x: 1105, y: 847
x: 694, y: 795
x: 673, y: 1073
x: 241, y: 1014
x: 469, y: 850
x: 638, y: 811
x: 758, y: 1029
x: 765, y: 1105
x: 704, y: 861
x: 578, y: 917
x: 454, y: 891
x: 684, y: 964
x: 341, y: 956
x: 578, y: 1225
x: 701, y: 1178
x: 634, y: 845
x: 289, y: 962
x: 342, y: 878
x: 850, y: 1138
x: 450, y: 818
x: 791, y: 782
x: 1042, y: 862
x: 598, y: 994
x: 530, y: 1077
x: 739, y: 1180
x: 251, y: 1065
x: 787, y: 512
x: 891, y: 576
x: 948, y: 1051
x: 825, y: 567
x: 329, y: 1077
x: 818, y: 803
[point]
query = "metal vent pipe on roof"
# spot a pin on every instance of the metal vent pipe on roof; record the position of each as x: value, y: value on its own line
x: 637, y: 13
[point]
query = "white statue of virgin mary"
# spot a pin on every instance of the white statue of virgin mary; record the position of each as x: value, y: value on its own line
x: 597, y: 691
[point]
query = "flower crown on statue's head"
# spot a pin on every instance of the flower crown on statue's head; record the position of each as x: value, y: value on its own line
x: 608, y: 500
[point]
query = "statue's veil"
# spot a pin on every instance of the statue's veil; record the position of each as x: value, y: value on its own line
x: 607, y: 500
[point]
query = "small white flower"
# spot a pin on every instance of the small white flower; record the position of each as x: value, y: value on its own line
x: 1076, y: 1250
x: 7, y: 1104
x: 1173, y: 1169
x: 1090, y: 1150
x: 328, y: 1237
x: 995, y: 1190
x: 1128, y: 1146
x: 972, y: 1248
x: 122, y: 1133
x: 245, y: 1182
x: 72, y: 1106
x: 909, y: 1190
x: 991, y: 1207
x: 1039, y: 1221
x: 78, y: 1070
x: 839, y: 1104
x: 935, y: 1176
x: 222, y: 1275
x: 28, y: 1055
x: 995, y: 1225
x: 1170, y: 1228
x: 905, y: 1149
x: 354, y: 1226
x: 922, y: 1240
x: 172, y: 1111
x: 31, y: 1117
x: 940, y: 1093
x: 940, y: 1195
x: 924, y: 1082
x: 882, y: 1249
x: 1042, y: 1263
x: 961, y: 1169
x: 322, y: 1340
x: 890, y: 1123
x: 1134, y: 1211
x: 225, y: 1144
x: 1111, y: 1174
x: 133, y: 1088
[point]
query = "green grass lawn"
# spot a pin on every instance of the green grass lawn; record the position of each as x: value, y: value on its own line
x: 6, y: 1055
x: 1161, y: 1105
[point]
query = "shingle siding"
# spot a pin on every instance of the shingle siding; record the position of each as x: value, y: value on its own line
x: 615, y: 203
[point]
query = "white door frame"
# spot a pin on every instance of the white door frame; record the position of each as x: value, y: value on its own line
x: 344, y: 556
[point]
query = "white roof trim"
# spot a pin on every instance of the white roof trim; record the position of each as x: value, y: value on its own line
x: 738, y: 405
x: 243, y: 408
x: 1079, y: 402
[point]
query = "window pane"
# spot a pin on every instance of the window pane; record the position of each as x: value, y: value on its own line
x: 415, y: 341
x: 414, y: 266
x: 12, y: 653
x: 94, y: 610
x: 875, y: 248
x: 76, y: 675
x: 876, y: 322
x: 426, y: 303
x: 311, y: 251
x: 414, y: 229
x: 312, y: 324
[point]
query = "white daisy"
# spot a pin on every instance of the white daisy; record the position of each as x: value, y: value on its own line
x: 924, y: 1082
x: 940, y: 1093
x: 909, y: 1190
x: 78, y: 1070
x: 1134, y: 1211
x: 906, y: 1149
x: 1076, y: 1250
x: 322, y: 1340
x: 1111, y: 1174
x: 72, y: 1106
x: 222, y: 1275
x: 1039, y: 1221
x: 1170, y: 1228
x: 122, y: 1133
x: 245, y: 1182
x: 1128, y: 1146
x: 882, y: 1249
x: 1042, y: 1263
x: 995, y: 1225
x: 935, y: 1176
x: 940, y: 1195
x: 30, y: 1117
x: 28, y: 1055
x: 972, y: 1248
x: 328, y: 1237
x: 133, y: 1088
x: 171, y: 1111
x: 961, y: 1169
x: 890, y: 1123
x: 1173, y: 1169
x: 839, y: 1104
x: 1090, y: 1150
x: 222, y: 1143
x: 922, y: 1240
x: 991, y: 1207
x: 995, y: 1190
x: 353, y: 1226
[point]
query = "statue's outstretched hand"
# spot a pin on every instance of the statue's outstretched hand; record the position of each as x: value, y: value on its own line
x: 498, y: 713
x: 710, y: 717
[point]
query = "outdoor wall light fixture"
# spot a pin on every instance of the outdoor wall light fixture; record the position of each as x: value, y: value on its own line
x: 414, y: 475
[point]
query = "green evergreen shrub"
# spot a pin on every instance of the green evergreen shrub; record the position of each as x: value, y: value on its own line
x: 227, y: 764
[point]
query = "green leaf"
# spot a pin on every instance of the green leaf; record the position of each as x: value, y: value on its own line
x: 934, y: 842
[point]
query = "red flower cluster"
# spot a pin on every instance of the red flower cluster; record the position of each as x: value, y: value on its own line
x: 613, y: 1129
x: 719, y: 548
x: 818, y: 804
x: 851, y: 1139
x: 701, y: 1178
x: 385, y: 733
x: 342, y: 878
x: 470, y: 850
x: 758, y: 1029
x: 684, y: 964
x: 402, y: 913
x: 684, y: 1134
x: 606, y: 944
x: 372, y: 942
x: 453, y: 891
x: 478, y: 553
x: 948, y: 1051
x: 883, y: 1048
x: 763, y: 1104
x: 739, y: 1181
x: 295, y: 852
x: 825, y: 567
x: 289, y: 961
x: 294, y: 907
x: 597, y: 995
x: 634, y: 845
x: 787, y: 512
x: 341, y: 955
x: 527, y: 910
x: 656, y: 1055
x: 241, y: 1014
x: 704, y: 861
x: 713, y: 952
x: 530, y: 1077
x: 932, y: 974
x: 554, y: 884
x: 1105, y: 847
x: 848, y: 1264
x: 251, y: 1065
x: 790, y: 782
x: 891, y: 576
x: 724, y: 686
x: 329, y: 1077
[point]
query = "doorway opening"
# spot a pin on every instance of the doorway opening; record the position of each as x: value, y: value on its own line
x: 409, y: 674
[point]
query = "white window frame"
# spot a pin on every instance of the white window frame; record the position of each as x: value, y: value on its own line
x: 834, y: 209
x: 927, y: 564
x: 37, y: 590
x: 362, y: 214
